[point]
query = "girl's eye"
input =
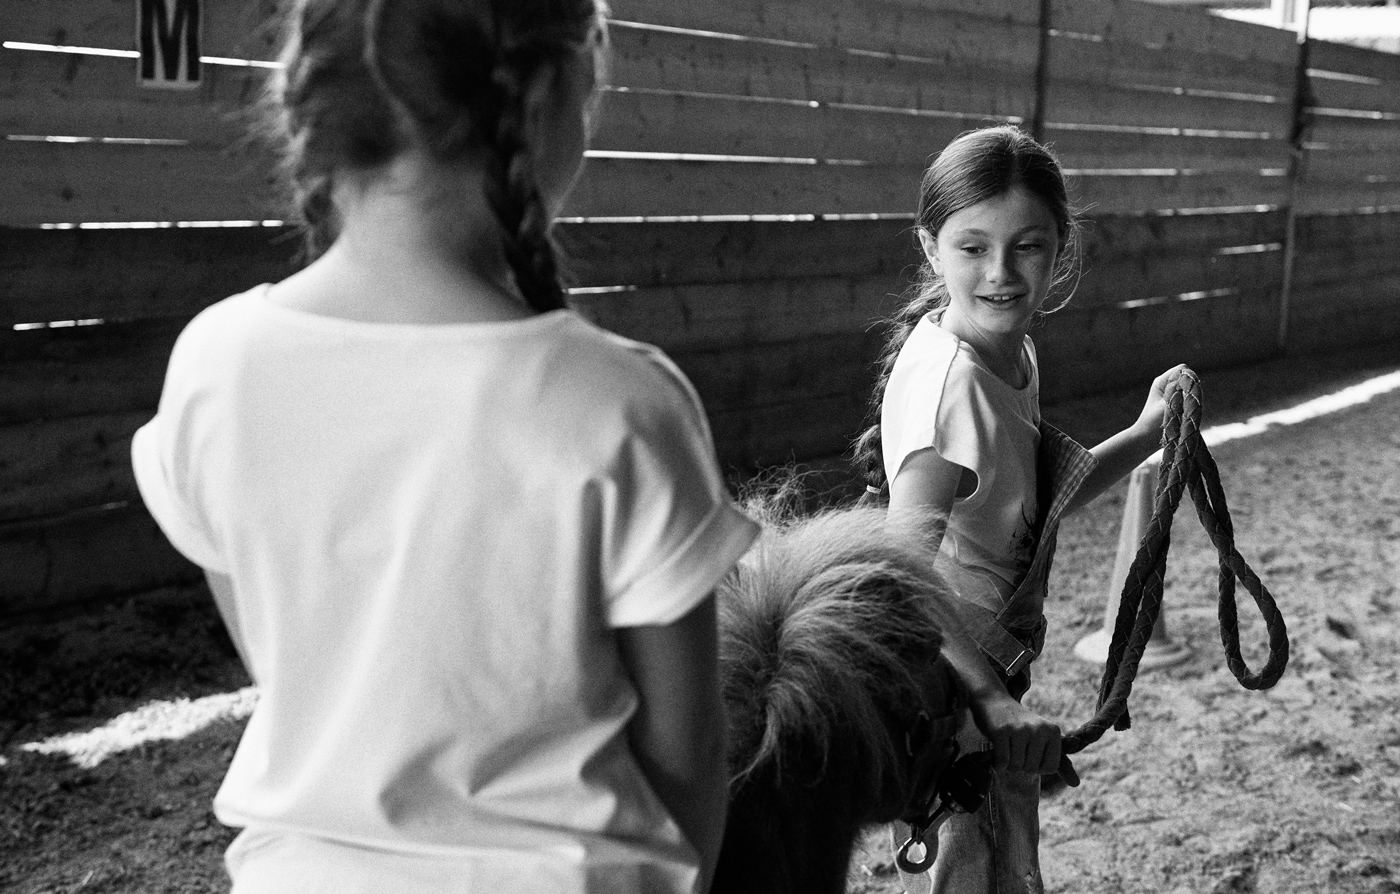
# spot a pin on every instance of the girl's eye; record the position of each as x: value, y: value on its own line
x: 1030, y: 246
x: 972, y: 249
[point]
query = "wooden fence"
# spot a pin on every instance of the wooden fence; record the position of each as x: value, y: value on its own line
x: 747, y: 206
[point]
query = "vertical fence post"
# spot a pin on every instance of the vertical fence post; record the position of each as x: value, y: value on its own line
x: 1297, y: 169
x: 1042, y: 70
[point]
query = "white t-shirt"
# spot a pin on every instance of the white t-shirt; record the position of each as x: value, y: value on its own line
x: 431, y: 531
x: 941, y: 395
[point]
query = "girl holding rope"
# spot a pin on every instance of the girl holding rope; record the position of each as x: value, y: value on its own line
x: 464, y: 541
x: 960, y: 436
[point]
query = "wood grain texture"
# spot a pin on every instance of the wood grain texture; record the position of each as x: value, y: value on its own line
x: 1328, y: 55
x: 713, y: 316
x: 1122, y: 194
x: 95, y: 553
x: 1100, y: 349
x: 1134, y: 22
x: 633, y: 121
x: 1073, y: 58
x: 1329, y: 93
x: 239, y: 29
x: 53, y: 466
x: 87, y: 182
x: 694, y: 63
x: 653, y: 254
x: 124, y: 274
x: 61, y: 94
x: 1071, y: 102
x: 613, y: 187
x: 1106, y: 149
x: 50, y: 374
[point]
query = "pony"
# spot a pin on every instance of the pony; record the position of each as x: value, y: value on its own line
x: 831, y: 674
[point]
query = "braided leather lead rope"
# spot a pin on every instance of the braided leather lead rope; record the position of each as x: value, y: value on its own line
x: 1186, y: 463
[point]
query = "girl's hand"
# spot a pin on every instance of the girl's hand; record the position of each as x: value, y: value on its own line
x: 1149, y: 422
x: 1022, y: 740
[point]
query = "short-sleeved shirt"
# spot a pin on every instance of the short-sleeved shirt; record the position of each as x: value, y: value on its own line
x: 432, y: 532
x: 940, y: 394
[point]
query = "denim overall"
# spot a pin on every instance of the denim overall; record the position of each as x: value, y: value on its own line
x: 996, y: 849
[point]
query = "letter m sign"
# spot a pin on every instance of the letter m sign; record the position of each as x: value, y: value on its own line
x: 167, y: 34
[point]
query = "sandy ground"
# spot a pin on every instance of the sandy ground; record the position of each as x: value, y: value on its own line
x: 1213, y: 790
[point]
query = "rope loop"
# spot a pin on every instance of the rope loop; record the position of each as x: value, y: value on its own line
x: 1186, y: 466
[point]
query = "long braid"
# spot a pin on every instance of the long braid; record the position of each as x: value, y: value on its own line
x: 928, y: 295
x: 513, y: 193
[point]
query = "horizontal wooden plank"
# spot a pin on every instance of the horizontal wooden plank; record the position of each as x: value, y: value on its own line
x: 720, y: 315
x: 1123, y: 194
x: 1099, y: 349
x: 1333, y: 130
x: 1116, y: 62
x: 635, y: 121
x: 82, y: 182
x: 1314, y: 197
x: 652, y: 254
x: 1357, y: 268
x: 743, y: 376
x: 1324, y: 233
x: 1340, y: 315
x: 1004, y: 30
x: 1116, y: 280
x: 673, y: 61
x: 1330, y: 93
x: 57, y: 94
x: 53, y: 466
x: 240, y: 29
x: 612, y: 187
x: 869, y: 25
x: 1328, y: 55
x: 815, y: 426
x: 109, y: 274
x: 1108, y: 149
x: 1106, y: 238
x: 1072, y: 102
x: 1134, y: 22
x: 83, y: 370
x: 105, y: 551
x: 1350, y: 164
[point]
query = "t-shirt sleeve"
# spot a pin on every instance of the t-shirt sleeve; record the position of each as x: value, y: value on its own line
x: 670, y: 529
x: 161, y: 460
x: 935, y: 400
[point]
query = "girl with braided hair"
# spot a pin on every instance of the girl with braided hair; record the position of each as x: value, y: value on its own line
x: 959, y: 437
x: 464, y: 541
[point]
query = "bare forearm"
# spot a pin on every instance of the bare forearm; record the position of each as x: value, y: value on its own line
x: 677, y: 734
x: 1116, y: 457
x: 694, y: 789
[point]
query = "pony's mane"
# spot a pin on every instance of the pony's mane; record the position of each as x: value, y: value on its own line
x: 825, y: 628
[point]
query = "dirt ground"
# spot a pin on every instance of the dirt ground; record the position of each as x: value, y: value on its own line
x: 1214, y: 790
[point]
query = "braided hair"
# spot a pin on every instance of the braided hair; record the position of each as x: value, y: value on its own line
x: 976, y: 166
x: 363, y: 80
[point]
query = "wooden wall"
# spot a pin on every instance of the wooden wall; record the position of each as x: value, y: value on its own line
x: 747, y: 206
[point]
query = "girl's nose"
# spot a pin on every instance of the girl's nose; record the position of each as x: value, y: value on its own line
x: 1001, y: 269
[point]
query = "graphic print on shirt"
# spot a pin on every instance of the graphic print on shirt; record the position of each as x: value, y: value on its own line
x: 1022, y: 546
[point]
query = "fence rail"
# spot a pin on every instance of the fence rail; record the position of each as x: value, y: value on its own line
x: 748, y: 207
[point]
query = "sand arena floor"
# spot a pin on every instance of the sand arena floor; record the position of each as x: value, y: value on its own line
x: 116, y: 722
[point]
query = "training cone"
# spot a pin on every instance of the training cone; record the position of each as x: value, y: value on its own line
x: 1137, y: 514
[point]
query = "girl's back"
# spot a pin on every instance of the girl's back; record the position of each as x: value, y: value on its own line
x: 429, y: 616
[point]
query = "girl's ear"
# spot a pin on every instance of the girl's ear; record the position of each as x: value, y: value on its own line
x: 929, y: 242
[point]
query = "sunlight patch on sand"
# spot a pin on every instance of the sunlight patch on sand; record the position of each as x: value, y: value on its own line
x: 1351, y: 396
x: 153, y: 722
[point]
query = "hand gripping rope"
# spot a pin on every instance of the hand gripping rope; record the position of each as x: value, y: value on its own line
x: 1186, y: 463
